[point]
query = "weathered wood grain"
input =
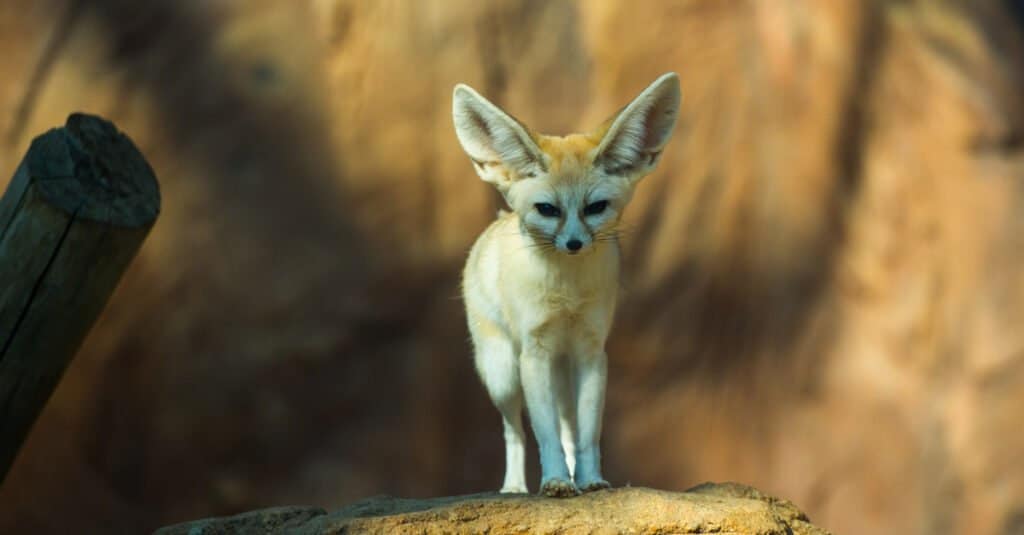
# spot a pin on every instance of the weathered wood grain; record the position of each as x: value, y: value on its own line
x: 76, y: 212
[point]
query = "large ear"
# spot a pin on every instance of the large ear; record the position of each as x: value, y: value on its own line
x: 633, y: 143
x: 501, y: 148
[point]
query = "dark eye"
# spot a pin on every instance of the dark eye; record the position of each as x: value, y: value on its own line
x: 547, y: 210
x: 595, y: 208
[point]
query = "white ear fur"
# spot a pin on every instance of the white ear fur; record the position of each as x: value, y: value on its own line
x: 633, y: 143
x: 500, y: 147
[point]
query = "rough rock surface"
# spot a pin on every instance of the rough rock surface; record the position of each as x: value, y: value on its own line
x: 709, y: 508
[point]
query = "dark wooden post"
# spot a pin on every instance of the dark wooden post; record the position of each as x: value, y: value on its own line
x: 73, y: 217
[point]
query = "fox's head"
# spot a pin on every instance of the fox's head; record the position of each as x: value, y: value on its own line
x: 569, y: 192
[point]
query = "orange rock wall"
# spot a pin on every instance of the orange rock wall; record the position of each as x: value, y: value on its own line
x: 823, y: 292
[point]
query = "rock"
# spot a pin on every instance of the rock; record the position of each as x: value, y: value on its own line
x: 708, y: 508
x: 272, y: 520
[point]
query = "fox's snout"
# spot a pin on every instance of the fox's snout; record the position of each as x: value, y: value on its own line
x: 573, y: 245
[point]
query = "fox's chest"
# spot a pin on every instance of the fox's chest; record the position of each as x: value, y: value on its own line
x: 567, y: 293
x: 570, y: 311
x: 570, y: 296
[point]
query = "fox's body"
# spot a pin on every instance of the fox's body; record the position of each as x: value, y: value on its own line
x: 541, y: 283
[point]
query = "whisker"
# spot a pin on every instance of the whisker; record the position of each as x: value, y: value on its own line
x: 543, y: 245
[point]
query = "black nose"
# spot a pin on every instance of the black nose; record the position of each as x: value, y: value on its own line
x: 574, y: 245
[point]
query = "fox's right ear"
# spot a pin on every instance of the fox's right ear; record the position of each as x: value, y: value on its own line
x: 502, y: 149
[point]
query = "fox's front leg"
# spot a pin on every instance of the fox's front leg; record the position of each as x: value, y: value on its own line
x: 591, y: 372
x: 537, y: 372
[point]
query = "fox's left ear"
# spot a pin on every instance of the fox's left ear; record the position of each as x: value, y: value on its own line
x: 633, y: 143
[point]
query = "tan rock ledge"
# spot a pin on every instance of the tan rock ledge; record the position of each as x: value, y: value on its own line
x: 727, y: 508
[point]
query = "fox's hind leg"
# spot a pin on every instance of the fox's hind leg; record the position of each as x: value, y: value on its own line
x: 499, y: 369
x: 515, y: 446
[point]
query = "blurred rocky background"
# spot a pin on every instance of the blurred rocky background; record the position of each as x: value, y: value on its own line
x: 824, y: 289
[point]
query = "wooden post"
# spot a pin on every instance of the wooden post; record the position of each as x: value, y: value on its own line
x: 73, y: 217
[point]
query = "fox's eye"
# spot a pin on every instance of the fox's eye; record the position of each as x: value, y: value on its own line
x: 595, y: 208
x: 547, y: 210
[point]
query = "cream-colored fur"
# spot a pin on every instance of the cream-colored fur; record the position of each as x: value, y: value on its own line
x: 540, y: 284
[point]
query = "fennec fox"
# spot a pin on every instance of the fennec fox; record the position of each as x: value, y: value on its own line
x: 540, y: 283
